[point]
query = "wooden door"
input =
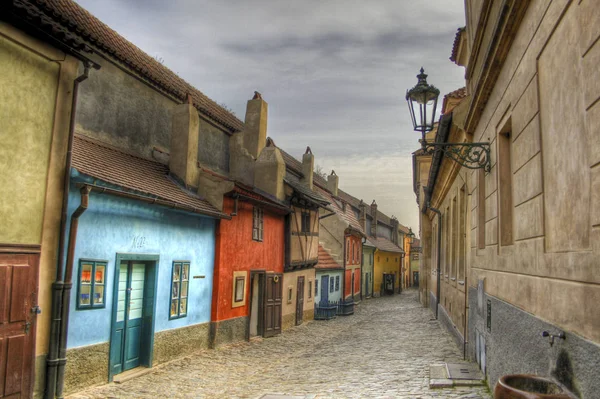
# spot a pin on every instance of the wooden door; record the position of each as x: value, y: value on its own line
x: 272, y: 304
x: 127, y: 331
x: 324, y: 290
x: 300, y: 300
x: 18, y: 299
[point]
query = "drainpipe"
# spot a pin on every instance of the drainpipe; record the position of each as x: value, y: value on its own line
x: 439, y: 252
x: 66, y: 295
x: 344, y: 275
x: 59, y: 285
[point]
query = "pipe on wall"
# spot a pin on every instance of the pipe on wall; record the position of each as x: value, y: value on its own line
x: 59, y: 285
x: 66, y: 294
x: 439, y: 253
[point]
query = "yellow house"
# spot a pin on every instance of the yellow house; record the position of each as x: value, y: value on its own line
x: 37, y: 82
x: 387, y: 266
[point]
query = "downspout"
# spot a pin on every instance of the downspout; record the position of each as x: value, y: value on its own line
x: 59, y: 285
x: 66, y: 296
x: 439, y: 252
x: 362, y: 261
x: 344, y: 273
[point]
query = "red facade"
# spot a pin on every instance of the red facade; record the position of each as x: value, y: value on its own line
x: 237, y: 251
x: 353, y: 260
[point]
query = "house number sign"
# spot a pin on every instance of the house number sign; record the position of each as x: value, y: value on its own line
x: 139, y: 242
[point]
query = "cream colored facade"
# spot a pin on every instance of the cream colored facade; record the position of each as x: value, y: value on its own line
x: 290, y: 297
x: 36, y: 84
x: 528, y: 260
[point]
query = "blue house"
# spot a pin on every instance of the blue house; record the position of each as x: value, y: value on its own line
x: 143, y: 263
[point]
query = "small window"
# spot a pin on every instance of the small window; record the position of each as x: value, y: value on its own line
x: 306, y: 222
x: 257, y: 224
x: 309, y: 289
x: 290, y: 293
x: 348, y: 250
x: 239, y: 289
x: 316, y: 287
x: 337, y: 283
x: 331, y: 285
x: 238, y: 297
x: 91, y: 283
x: 395, y: 259
x: 387, y: 259
x: 179, y: 289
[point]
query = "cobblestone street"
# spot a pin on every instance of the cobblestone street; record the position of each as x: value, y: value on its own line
x: 383, y: 351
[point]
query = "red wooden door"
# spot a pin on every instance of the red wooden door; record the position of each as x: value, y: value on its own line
x: 18, y: 295
x: 272, y: 306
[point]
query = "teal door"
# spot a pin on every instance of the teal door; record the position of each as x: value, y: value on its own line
x: 126, y: 343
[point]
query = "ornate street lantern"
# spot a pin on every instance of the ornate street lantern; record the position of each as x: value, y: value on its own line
x: 411, y: 236
x: 422, y: 103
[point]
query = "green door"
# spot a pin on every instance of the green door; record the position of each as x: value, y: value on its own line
x: 127, y: 329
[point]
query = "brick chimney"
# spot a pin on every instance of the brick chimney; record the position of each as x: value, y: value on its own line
x: 308, y: 165
x: 269, y: 171
x: 374, y: 223
x: 183, y: 159
x: 332, y: 183
x: 363, y: 216
x: 255, y: 130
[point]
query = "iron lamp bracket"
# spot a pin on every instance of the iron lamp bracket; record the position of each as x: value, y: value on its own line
x: 469, y: 155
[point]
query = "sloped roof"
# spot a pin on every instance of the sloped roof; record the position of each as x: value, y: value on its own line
x: 326, y: 261
x: 383, y: 244
x: 81, y: 23
x: 131, y: 172
x: 456, y: 43
x: 302, y: 189
x: 347, y: 215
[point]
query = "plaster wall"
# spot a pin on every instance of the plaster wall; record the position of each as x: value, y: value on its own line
x: 237, y: 251
x: 334, y: 295
x: 546, y: 87
x: 367, y: 271
x: 290, y: 280
x: 331, y: 235
x: 113, y: 225
x: 385, y: 262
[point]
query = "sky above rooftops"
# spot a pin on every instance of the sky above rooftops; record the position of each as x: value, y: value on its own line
x: 334, y: 73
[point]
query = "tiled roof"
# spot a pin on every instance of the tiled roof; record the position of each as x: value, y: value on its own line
x: 383, y: 244
x: 126, y: 170
x: 301, y: 188
x: 459, y: 93
x: 403, y: 228
x: 326, y: 261
x: 83, y: 24
x: 348, y: 215
x: 455, y: 44
x: 295, y: 165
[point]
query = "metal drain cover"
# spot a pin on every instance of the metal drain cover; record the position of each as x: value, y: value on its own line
x: 463, y: 371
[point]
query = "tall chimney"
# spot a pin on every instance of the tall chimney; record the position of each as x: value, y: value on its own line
x: 332, y: 183
x: 255, y: 130
x: 269, y: 171
x: 183, y: 159
x: 374, y: 223
x: 308, y: 165
x: 363, y: 216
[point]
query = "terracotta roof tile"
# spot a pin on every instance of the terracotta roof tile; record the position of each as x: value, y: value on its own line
x: 131, y: 172
x: 79, y: 21
x: 326, y: 261
x: 458, y: 93
x: 455, y: 44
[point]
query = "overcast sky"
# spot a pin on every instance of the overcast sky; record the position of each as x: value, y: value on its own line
x: 334, y: 73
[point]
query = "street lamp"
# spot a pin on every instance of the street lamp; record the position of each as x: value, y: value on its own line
x: 411, y: 236
x: 422, y: 103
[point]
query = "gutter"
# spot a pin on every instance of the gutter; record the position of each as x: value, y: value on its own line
x: 58, y: 286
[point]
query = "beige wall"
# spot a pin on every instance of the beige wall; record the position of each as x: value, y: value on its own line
x: 290, y: 280
x: 547, y: 92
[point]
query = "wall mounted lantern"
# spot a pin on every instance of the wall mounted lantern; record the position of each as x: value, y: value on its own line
x: 411, y: 236
x: 422, y: 103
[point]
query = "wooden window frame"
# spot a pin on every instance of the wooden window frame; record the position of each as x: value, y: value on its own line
x: 92, y: 284
x: 238, y: 276
x: 258, y: 215
x: 310, y: 289
x: 337, y: 283
x: 305, y: 222
x: 183, y: 264
x: 239, y: 280
x: 332, y: 284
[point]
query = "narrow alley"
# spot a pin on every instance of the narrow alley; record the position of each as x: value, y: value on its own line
x: 383, y: 351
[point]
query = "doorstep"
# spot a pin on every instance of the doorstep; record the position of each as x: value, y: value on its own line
x: 448, y: 375
x: 130, y: 374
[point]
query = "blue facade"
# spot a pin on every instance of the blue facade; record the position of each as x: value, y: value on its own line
x: 114, y: 225
x: 336, y: 294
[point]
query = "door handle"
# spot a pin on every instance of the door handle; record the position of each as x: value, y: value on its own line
x: 27, y: 325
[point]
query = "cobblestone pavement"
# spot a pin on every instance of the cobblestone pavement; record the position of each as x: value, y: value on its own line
x: 383, y: 351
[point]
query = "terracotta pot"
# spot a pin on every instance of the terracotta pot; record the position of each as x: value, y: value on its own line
x: 523, y: 386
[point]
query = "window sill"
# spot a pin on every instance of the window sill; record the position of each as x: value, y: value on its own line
x: 461, y: 282
x: 453, y: 278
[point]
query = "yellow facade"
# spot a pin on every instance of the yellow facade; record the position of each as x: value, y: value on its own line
x: 388, y: 263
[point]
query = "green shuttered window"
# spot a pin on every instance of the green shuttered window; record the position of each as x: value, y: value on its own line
x: 91, y: 284
x: 180, y: 280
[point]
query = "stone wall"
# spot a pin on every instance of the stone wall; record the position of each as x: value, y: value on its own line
x: 86, y: 366
x: 228, y: 331
x: 179, y: 342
